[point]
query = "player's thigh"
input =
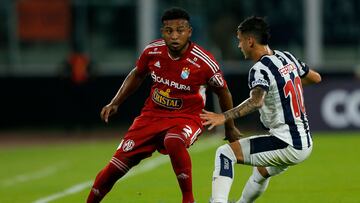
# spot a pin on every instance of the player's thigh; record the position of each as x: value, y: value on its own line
x: 140, y: 141
x: 185, y: 129
x: 266, y: 150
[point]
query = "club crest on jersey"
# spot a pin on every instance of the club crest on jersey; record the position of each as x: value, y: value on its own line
x: 185, y: 73
x: 128, y: 145
x: 217, y: 80
x: 163, y: 99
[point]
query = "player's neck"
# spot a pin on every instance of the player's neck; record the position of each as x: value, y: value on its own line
x: 177, y: 55
x: 261, y: 51
x: 174, y: 56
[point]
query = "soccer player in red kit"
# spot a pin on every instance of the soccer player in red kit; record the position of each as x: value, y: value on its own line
x: 169, y: 122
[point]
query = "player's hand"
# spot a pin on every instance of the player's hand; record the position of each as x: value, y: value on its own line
x: 107, y: 111
x: 232, y: 134
x: 212, y: 119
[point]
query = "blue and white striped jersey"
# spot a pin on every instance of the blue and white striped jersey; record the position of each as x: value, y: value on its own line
x: 283, y: 111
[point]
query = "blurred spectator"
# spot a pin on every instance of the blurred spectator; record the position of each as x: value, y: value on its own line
x: 79, y: 66
x: 78, y: 75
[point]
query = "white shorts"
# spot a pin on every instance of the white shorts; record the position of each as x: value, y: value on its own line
x: 268, y: 150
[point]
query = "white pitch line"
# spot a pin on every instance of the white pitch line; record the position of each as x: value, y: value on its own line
x: 74, y: 189
x: 146, y: 166
x: 31, y: 176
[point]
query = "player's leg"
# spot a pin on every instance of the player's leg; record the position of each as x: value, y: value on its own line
x: 105, y: 180
x: 223, y: 174
x: 118, y: 166
x: 255, y: 186
x: 262, y: 151
x: 136, y: 145
x: 258, y: 182
x: 181, y: 163
x: 176, y: 142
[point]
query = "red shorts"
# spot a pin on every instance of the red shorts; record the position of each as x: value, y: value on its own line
x: 147, y: 134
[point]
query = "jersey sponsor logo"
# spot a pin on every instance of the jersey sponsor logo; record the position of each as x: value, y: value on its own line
x: 128, y: 145
x: 193, y: 61
x: 260, y: 81
x: 285, y: 70
x: 155, y: 51
x: 217, y: 80
x: 169, y: 83
x: 163, y: 99
x: 185, y: 73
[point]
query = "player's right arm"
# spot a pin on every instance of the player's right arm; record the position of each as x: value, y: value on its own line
x: 253, y: 103
x: 311, y: 77
x: 131, y: 83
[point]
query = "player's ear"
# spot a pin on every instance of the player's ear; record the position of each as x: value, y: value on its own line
x: 251, y: 41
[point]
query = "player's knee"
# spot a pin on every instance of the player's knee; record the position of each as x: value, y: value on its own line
x: 273, y: 171
x: 225, y: 150
x: 224, y: 161
x: 173, y: 142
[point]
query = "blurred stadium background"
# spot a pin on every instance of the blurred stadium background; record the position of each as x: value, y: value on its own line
x: 62, y: 60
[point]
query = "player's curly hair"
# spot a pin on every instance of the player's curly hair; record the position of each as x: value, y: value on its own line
x: 257, y: 27
x: 175, y: 13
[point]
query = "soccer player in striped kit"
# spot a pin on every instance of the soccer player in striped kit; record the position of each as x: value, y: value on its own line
x: 275, y: 82
x: 169, y: 122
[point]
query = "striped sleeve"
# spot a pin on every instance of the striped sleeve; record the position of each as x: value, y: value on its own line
x: 303, y: 68
x: 214, y: 74
x: 259, y: 77
x: 206, y: 58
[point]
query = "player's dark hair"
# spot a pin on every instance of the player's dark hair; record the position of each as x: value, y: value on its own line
x: 257, y: 27
x: 175, y: 13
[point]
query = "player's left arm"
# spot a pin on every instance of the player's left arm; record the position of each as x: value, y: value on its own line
x: 308, y: 75
x: 253, y: 103
x: 312, y: 77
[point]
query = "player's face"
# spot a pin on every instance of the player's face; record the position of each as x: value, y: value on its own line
x: 244, y: 44
x: 176, y: 34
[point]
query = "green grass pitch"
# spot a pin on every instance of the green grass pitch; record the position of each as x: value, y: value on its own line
x: 61, y: 173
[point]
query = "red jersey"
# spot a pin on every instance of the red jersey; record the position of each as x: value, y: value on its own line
x: 179, y: 85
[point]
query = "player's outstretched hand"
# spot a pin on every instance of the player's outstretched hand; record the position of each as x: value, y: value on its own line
x: 107, y: 111
x: 212, y: 119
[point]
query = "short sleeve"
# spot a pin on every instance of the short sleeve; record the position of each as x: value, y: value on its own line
x: 142, y: 63
x: 259, y: 77
x: 303, y: 69
x: 215, y: 76
x: 217, y: 80
x: 210, y: 68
